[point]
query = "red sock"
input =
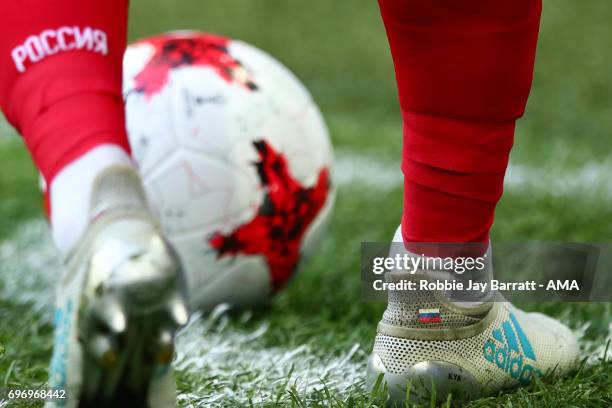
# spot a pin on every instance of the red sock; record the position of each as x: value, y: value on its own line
x: 464, y: 72
x: 60, y: 84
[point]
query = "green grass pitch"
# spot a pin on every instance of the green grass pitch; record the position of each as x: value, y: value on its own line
x: 308, y: 349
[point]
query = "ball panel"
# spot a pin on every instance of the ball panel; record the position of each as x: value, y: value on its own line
x: 150, y: 130
x: 241, y: 281
x: 200, y: 111
x: 197, y: 191
x: 270, y: 74
x: 307, y: 146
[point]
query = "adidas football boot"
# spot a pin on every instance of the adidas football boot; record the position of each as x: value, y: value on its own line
x: 119, y: 303
x: 427, y: 347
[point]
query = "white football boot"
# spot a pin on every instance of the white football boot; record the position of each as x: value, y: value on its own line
x: 469, y: 349
x: 119, y: 303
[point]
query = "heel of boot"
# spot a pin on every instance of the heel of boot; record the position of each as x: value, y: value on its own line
x: 423, y: 382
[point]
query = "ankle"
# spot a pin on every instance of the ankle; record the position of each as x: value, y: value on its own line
x: 71, y: 193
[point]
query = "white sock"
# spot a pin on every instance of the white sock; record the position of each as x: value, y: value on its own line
x: 70, y: 192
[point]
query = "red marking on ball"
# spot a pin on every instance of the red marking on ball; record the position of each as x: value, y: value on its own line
x: 282, y: 219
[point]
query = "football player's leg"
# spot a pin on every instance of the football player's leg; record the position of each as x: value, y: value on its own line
x: 464, y: 72
x: 61, y: 89
x: 121, y: 297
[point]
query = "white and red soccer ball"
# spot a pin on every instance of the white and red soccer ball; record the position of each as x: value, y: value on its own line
x: 235, y: 158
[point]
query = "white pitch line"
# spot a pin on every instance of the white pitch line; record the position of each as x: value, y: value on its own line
x: 359, y: 170
x: 208, y: 347
x: 238, y: 365
x: 594, y: 349
x: 29, y: 268
x: 352, y: 169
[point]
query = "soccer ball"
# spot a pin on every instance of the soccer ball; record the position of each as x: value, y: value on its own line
x: 235, y: 158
